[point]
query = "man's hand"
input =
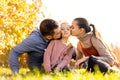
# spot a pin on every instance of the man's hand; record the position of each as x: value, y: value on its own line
x: 15, y: 73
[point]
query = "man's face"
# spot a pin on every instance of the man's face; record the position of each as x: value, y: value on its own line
x: 57, y: 33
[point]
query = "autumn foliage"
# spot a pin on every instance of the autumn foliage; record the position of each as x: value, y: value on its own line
x: 17, y: 20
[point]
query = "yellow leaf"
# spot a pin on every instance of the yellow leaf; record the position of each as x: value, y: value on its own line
x: 1, y: 22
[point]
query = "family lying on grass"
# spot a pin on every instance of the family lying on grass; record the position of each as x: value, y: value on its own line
x: 49, y: 48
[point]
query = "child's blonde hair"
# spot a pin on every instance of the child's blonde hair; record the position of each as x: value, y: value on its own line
x: 64, y: 23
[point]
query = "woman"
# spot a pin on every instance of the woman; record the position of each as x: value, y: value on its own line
x: 89, y: 48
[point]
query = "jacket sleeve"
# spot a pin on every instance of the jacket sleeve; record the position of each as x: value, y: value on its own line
x: 66, y: 59
x: 26, y: 45
x: 102, y: 50
x: 47, y: 56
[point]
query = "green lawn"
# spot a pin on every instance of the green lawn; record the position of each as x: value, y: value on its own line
x: 5, y: 74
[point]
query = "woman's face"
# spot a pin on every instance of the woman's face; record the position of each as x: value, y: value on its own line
x: 65, y: 30
x: 75, y: 30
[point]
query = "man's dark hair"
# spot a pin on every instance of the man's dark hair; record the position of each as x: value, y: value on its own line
x: 47, y: 27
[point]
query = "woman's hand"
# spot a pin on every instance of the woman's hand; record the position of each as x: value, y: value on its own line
x: 117, y: 64
x: 80, y: 61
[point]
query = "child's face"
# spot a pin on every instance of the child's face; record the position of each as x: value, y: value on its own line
x: 65, y: 30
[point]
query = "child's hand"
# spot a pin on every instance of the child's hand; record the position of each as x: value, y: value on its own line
x: 70, y: 45
x: 57, y: 69
x: 48, y: 72
x: 72, y: 62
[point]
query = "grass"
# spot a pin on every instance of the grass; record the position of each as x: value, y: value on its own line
x: 81, y: 74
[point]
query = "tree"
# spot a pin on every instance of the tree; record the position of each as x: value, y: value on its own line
x: 17, y: 20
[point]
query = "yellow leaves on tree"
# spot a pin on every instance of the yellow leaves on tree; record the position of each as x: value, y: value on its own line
x: 16, y: 21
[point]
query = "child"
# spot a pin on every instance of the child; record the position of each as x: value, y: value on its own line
x: 58, y: 53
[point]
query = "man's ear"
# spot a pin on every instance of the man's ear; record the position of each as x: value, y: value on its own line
x: 49, y: 37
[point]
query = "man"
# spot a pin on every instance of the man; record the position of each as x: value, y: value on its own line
x: 34, y: 45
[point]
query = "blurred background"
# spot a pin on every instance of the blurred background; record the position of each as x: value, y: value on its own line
x: 104, y: 14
